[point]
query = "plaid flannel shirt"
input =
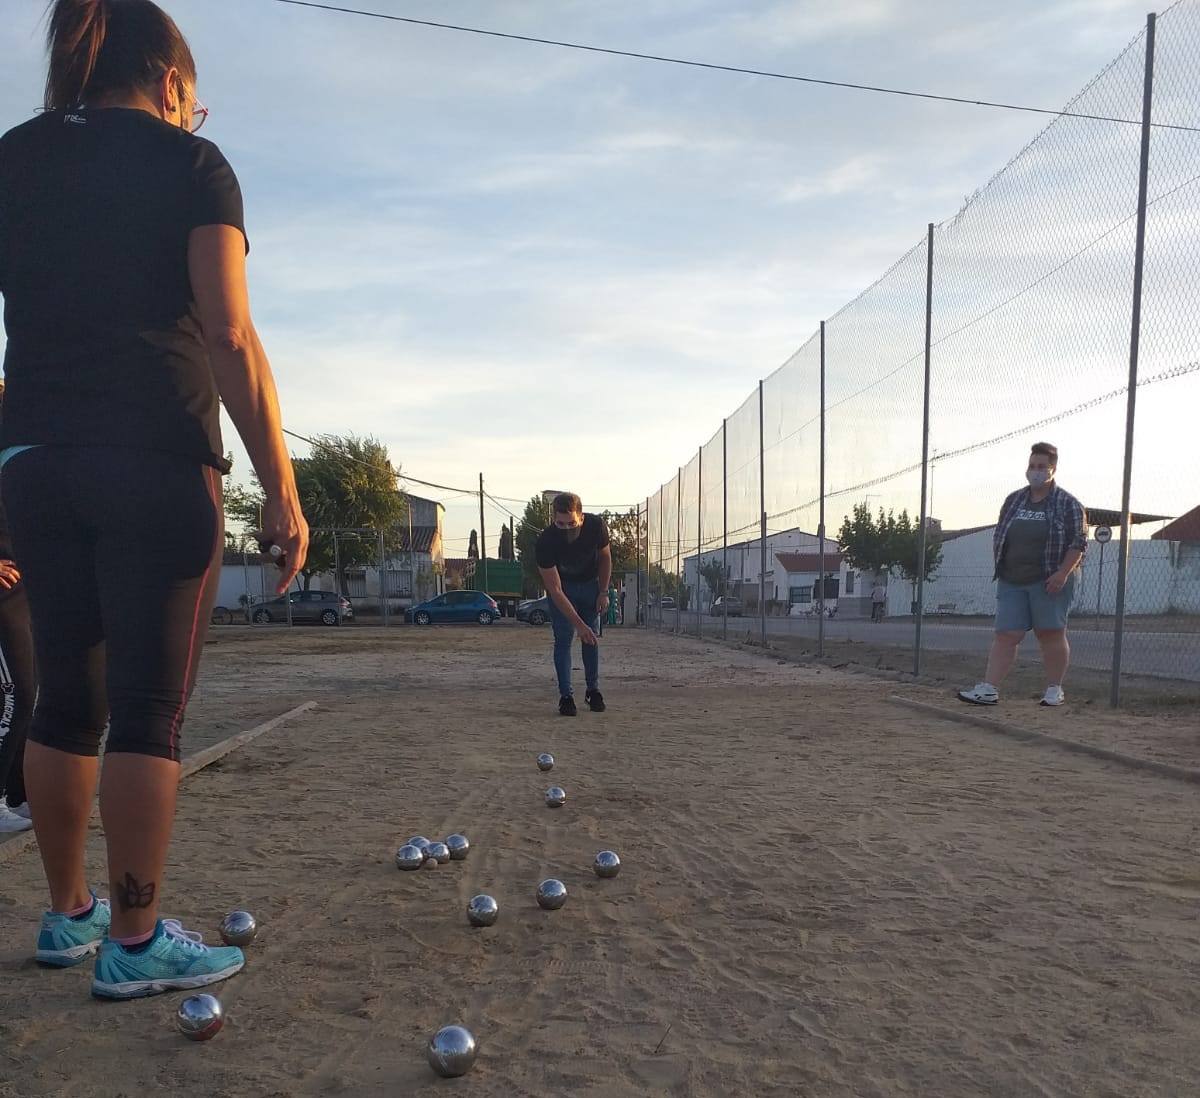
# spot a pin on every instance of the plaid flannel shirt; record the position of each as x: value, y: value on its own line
x: 1067, y: 523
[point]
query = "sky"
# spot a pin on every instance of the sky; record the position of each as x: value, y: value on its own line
x: 562, y: 269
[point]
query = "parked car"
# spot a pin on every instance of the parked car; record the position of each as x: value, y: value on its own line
x: 726, y: 606
x: 455, y: 606
x: 534, y: 611
x: 667, y: 602
x: 322, y: 607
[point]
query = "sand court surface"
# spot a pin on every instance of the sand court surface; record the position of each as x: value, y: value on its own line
x: 822, y: 894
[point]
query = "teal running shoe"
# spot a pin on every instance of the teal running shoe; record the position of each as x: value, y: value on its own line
x: 174, y: 959
x: 63, y: 941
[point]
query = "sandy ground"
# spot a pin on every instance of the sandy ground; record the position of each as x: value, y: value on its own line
x: 822, y: 894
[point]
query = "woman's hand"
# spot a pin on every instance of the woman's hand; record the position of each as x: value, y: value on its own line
x: 285, y: 530
x: 9, y: 575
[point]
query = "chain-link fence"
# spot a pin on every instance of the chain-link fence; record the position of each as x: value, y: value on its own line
x: 1030, y: 295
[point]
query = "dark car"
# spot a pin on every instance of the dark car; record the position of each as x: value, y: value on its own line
x: 534, y: 611
x: 321, y: 607
x: 455, y: 606
x: 726, y: 606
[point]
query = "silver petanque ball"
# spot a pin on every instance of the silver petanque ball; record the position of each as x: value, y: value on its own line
x: 440, y: 851
x: 545, y: 762
x: 430, y: 862
x: 551, y: 894
x: 451, y: 1052
x: 607, y: 864
x: 410, y: 856
x: 459, y: 846
x: 239, y: 928
x: 556, y: 796
x: 418, y: 840
x: 200, y: 1017
x: 482, y: 911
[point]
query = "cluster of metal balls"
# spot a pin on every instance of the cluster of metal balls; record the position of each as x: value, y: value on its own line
x: 420, y: 853
x: 451, y: 1051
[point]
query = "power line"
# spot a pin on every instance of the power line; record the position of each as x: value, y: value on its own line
x: 318, y: 444
x: 793, y: 77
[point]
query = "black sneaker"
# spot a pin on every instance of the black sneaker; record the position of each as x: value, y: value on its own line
x: 595, y: 701
x: 566, y: 707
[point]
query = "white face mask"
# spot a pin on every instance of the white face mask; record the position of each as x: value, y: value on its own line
x: 1037, y: 478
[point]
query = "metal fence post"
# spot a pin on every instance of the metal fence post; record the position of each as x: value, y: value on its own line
x: 383, y: 598
x: 679, y: 587
x: 661, y: 534
x: 821, y: 515
x: 699, y: 533
x: 762, y: 526
x: 1139, y: 258
x: 923, y: 536
x: 725, y: 526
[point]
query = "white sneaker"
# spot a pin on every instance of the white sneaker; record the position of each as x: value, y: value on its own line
x: 11, y: 822
x: 1053, y: 696
x: 983, y: 693
x: 22, y: 810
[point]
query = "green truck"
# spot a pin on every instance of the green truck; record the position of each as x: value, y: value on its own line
x: 502, y: 579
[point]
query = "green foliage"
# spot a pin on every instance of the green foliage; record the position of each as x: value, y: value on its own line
x: 625, y: 533
x: 879, y: 545
x: 535, y: 519
x: 715, y: 576
x: 506, y: 550
x: 347, y: 484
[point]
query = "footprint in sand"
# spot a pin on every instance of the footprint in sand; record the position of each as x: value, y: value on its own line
x: 1179, y: 887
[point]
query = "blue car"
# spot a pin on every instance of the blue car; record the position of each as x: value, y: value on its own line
x: 455, y: 606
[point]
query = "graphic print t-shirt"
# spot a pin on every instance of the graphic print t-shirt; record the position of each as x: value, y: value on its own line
x: 1025, y: 547
x: 104, y: 343
x: 578, y: 560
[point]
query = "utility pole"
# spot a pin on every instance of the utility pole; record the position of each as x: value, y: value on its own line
x: 482, y: 537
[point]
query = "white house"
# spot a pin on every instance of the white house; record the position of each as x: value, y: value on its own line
x: 792, y: 563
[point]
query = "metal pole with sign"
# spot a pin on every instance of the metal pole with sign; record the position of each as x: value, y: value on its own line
x: 1103, y: 536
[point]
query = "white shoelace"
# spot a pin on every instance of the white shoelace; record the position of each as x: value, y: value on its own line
x: 190, y: 938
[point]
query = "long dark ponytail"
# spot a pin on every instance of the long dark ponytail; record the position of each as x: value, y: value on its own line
x: 98, y: 47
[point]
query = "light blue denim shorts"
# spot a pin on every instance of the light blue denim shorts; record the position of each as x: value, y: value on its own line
x: 1029, y: 606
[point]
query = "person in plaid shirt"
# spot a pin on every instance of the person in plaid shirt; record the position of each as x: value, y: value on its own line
x: 1038, y: 547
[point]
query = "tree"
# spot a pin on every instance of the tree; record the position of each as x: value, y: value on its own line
x: 869, y: 544
x: 907, y: 541
x: 506, y: 551
x: 624, y: 532
x: 473, y: 548
x: 535, y: 519
x: 878, y: 546
x: 346, y: 484
x: 713, y: 573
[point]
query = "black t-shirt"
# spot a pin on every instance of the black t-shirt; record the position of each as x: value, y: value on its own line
x: 578, y: 560
x: 104, y: 343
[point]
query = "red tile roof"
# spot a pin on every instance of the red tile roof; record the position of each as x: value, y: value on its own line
x: 796, y: 563
x: 1184, y: 528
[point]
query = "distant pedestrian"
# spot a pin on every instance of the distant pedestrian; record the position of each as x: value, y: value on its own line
x: 878, y: 600
x: 1038, y: 545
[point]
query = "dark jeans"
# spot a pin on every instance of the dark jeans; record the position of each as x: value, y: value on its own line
x: 582, y: 596
x: 17, y: 690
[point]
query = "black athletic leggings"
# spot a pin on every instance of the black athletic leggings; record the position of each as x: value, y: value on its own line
x: 119, y: 552
x: 17, y: 689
